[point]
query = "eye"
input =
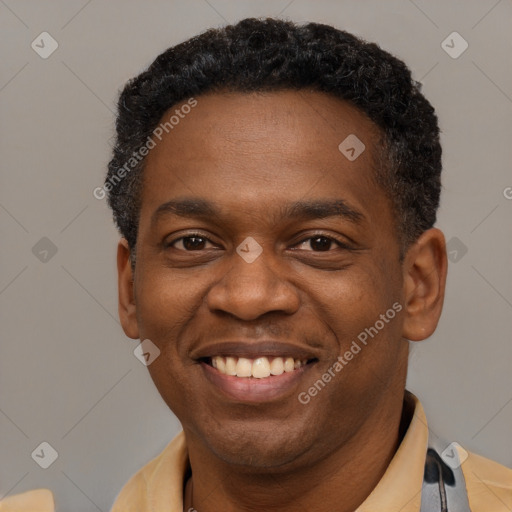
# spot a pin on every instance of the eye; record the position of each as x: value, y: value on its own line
x: 320, y: 243
x: 191, y: 242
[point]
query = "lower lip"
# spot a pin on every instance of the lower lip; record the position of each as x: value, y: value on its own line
x: 252, y: 390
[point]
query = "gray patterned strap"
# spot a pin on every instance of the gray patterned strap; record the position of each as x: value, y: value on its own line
x: 444, y: 486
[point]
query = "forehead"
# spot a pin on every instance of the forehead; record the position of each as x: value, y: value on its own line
x: 259, y: 150
x: 301, y: 122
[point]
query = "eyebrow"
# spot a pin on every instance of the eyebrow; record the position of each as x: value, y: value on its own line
x: 314, y: 209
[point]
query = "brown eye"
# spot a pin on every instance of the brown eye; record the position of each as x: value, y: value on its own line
x: 189, y: 243
x: 320, y: 243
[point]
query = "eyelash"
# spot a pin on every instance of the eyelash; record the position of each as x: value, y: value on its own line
x: 339, y: 243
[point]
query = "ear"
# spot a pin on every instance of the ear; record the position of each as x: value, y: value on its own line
x: 127, y: 306
x: 425, y: 267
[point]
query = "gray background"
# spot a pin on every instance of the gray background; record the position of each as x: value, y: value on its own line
x: 68, y: 375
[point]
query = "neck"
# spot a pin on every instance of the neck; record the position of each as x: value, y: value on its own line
x: 341, y: 481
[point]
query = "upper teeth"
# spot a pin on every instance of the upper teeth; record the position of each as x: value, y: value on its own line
x: 259, y: 368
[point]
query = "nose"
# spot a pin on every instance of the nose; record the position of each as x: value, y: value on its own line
x: 249, y: 290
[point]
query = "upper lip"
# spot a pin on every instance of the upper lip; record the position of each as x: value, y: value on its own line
x: 253, y: 349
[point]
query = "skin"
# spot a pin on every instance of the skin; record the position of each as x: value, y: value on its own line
x: 250, y: 154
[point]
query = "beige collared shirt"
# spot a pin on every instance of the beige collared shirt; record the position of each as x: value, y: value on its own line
x: 158, y: 486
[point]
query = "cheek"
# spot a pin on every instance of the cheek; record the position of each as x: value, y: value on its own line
x: 165, y: 306
x: 165, y: 303
x: 361, y: 310
x: 355, y: 301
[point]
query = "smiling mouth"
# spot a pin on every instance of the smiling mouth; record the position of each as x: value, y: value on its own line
x: 258, y: 368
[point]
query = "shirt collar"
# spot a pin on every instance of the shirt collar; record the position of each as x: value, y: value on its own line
x: 399, y: 490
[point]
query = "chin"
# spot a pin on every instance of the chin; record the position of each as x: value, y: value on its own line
x: 253, y: 450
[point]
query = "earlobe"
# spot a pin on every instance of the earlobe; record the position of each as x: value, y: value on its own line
x: 126, y: 296
x: 425, y: 268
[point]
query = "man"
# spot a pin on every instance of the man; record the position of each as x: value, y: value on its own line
x: 276, y: 189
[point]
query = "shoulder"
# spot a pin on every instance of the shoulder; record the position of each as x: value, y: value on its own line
x: 133, y: 496
x: 489, y: 484
x: 37, y: 500
x: 141, y: 490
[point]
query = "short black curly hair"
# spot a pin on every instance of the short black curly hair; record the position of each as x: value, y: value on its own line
x: 275, y: 54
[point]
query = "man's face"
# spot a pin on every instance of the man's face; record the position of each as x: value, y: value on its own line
x: 257, y: 160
